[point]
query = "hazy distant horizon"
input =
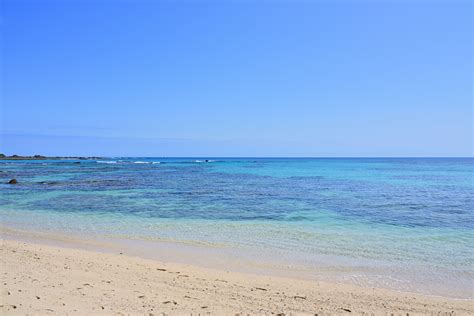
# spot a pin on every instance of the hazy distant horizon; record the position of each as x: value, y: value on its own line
x: 133, y: 147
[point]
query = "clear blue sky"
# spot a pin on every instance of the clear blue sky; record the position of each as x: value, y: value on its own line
x: 237, y: 78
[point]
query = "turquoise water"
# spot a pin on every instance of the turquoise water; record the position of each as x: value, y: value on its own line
x: 405, y: 223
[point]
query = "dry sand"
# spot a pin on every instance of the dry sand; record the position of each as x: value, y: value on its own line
x: 44, y: 279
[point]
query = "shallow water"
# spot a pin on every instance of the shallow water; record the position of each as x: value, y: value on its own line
x: 402, y: 223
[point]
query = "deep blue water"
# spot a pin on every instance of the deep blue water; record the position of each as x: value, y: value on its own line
x: 401, y: 214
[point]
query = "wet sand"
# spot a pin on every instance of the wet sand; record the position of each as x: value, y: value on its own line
x: 46, y: 279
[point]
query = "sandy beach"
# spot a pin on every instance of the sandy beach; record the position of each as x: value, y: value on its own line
x: 45, y: 279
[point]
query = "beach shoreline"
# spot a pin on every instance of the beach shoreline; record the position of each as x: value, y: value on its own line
x: 226, y: 257
x: 368, y: 222
x: 139, y: 286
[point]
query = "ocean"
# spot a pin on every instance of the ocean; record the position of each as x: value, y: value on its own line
x: 402, y: 223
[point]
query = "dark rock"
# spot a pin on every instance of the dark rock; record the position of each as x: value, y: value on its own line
x: 12, y: 181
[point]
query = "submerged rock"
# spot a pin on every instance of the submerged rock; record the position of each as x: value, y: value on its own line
x: 12, y: 181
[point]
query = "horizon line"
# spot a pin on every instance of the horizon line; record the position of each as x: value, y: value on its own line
x: 288, y: 157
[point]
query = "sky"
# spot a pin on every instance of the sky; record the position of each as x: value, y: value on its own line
x: 237, y: 78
